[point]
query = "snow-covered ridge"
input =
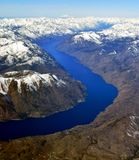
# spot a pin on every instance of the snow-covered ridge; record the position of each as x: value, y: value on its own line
x: 87, y: 36
x: 35, y: 27
x: 32, y: 80
x: 19, y: 51
x: 14, y: 50
x: 122, y: 30
x: 120, y: 27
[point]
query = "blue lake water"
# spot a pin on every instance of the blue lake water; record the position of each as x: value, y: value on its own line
x: 99, y: 95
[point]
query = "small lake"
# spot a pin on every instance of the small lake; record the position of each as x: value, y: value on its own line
x: 99, y: 96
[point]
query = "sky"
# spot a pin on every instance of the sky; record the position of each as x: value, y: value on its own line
x: 72, y: 8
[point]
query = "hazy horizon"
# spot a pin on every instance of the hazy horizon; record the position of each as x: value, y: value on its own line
x: 65, y: 8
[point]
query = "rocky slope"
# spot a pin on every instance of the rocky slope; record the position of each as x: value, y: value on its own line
x: 116, y: 58
x: 32, y: 94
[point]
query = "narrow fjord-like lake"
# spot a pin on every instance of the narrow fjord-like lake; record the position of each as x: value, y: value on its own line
x: 99, y: 96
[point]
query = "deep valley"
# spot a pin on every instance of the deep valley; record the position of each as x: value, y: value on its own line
x: 111, y: 52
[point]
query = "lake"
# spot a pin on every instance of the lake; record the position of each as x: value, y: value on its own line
x: 100, y: 95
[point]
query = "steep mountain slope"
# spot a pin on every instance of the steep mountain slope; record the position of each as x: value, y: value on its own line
x: 32, y: 84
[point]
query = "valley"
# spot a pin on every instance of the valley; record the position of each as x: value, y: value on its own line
x: 113, y: 53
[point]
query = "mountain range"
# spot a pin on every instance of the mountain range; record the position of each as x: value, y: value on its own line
x: 107, y: 46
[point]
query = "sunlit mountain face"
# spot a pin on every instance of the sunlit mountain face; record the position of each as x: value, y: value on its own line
x: 69, y: 88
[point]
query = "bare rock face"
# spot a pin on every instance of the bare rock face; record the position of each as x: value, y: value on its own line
x: 6, y: 108
x: 31, y: 94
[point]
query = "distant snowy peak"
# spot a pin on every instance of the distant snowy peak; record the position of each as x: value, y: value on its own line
x: 87, y: 36
x: 38, y: 27
x: 122, y: 30
x: 32, y: 80
x: 46, y: 26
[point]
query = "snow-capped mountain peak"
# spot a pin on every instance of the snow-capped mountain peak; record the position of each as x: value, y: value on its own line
x: 87, y: 36
x: 32, y: 80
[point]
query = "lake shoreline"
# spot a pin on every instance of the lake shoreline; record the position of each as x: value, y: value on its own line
x: 100, y: 94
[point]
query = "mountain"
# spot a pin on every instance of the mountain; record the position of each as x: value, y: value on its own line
x: 112, y: 51
x: 32, y: 83
x: 114, y: 133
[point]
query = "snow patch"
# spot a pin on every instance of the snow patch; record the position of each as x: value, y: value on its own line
x: 133, y: 130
